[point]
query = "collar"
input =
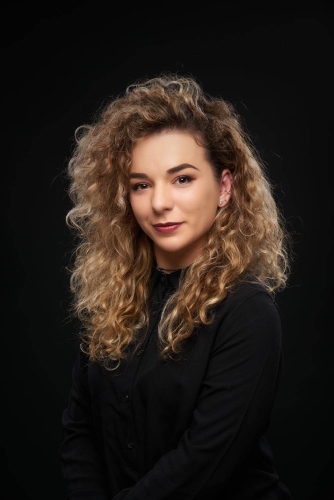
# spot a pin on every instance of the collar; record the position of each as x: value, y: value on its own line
x: 172, y: 278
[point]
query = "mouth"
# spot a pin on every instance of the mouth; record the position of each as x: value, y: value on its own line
x: 167, y: 227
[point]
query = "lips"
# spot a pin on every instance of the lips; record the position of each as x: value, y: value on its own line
x: 167, y: 224
x: 167, y: 227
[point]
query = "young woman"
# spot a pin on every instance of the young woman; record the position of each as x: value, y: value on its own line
x: 181, y: 249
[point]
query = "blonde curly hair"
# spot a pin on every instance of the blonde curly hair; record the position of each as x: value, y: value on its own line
x: 113, y: 260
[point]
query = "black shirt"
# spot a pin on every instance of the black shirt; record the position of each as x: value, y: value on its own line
x: 191, y: 428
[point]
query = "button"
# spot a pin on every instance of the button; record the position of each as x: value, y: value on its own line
x: 163, y: 279
x: 154, y: 313
x: 126, y: 397
x: 130, y: 445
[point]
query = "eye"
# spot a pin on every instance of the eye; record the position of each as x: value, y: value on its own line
x: 183, y: 179
x: 140, y: 186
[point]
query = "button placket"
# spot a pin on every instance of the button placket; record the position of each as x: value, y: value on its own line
x: 130, y: 439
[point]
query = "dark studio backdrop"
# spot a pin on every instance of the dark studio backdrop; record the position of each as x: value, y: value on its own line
x: 59, y: 66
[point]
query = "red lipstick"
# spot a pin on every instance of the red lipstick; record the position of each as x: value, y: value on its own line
x: 168, y: 227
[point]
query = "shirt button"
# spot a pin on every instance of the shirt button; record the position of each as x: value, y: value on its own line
x: 130, y: 445
x: 126, y: 397
x: 163, y: 279
x: 154, y: 313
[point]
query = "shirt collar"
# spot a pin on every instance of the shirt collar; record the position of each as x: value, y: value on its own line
x: 172, y: 278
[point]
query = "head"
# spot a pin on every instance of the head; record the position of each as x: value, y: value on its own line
x: 166, y: 152
x: 156, y: 108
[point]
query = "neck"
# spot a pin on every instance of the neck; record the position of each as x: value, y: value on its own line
x: 178, y: 259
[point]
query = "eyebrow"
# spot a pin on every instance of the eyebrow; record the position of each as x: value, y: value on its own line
x: 173, y: 170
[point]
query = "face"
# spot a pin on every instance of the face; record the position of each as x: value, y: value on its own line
x: 175, y: 196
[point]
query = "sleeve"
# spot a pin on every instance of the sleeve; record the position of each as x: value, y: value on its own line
x: 83, y: 471
x: 233, y: 409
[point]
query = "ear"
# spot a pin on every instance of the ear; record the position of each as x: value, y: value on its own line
x: 225, y: 187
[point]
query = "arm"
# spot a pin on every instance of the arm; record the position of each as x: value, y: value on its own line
x: 82, y: 468
x: 233, y: 410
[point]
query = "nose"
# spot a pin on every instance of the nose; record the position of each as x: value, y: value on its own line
x: 162, y: 198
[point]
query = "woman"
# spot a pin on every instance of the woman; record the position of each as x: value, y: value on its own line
x: 181, y: 250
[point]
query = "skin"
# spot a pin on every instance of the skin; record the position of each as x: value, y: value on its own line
x: 171, y: 181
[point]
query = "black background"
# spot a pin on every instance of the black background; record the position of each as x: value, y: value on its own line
x: 59, y: 66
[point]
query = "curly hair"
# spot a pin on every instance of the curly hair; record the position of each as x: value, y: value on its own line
x: 113, y: 260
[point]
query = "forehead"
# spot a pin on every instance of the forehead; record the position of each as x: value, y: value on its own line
x: 168, y: 148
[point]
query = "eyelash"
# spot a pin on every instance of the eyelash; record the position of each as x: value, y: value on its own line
x: 187, y: 177
x: 139, y: 186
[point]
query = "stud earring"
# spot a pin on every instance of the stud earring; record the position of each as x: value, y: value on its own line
x: 220, y: 202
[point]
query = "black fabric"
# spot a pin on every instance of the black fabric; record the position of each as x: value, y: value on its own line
x: 192, y: 428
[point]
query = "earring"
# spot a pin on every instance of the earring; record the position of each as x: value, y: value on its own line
x: 220, y: 202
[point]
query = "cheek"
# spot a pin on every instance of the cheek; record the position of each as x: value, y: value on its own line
x: 134, y: 209
x: 138, y: 208
x: 205, y: 204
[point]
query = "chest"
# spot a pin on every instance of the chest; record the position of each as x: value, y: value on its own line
x: 149, y: 381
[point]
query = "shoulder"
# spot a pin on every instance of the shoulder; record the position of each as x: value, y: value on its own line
x: 249, y: 312
x: 248, y: 294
